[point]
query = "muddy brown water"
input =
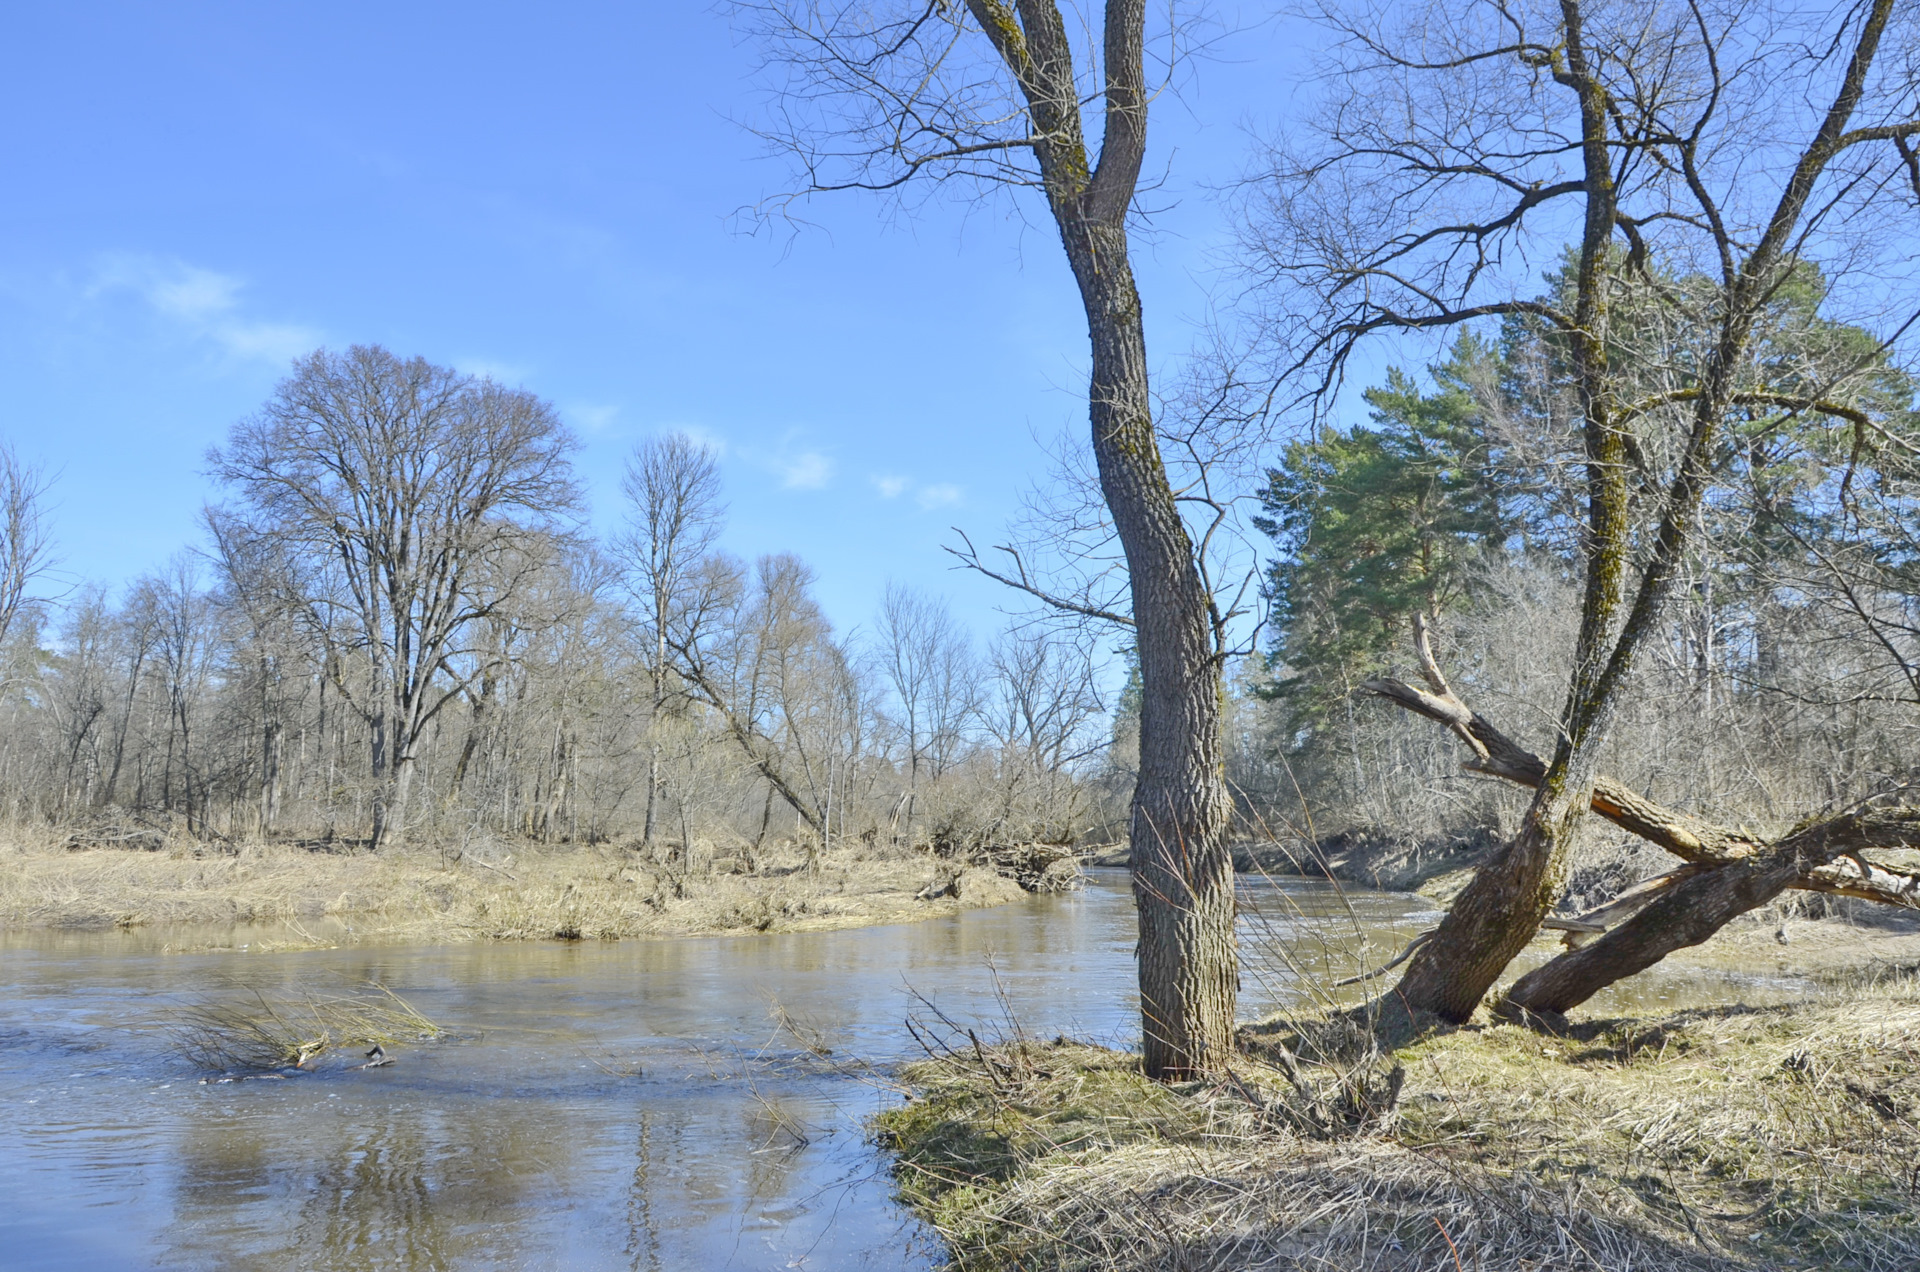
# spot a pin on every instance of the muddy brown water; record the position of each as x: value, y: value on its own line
x: 628, y: 1105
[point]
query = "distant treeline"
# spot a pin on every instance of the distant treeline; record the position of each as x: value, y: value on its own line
x: 397, y: 628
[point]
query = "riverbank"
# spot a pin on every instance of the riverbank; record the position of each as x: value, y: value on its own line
x: 1718, y: 1136
x: 420, y: 894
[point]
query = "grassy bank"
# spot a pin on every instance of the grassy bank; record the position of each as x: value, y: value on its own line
x: 528, y: 892
x: 1715, y: 1137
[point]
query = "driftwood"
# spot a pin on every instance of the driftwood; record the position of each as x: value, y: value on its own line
x: 1730, y: 871
x: 1035, y: 867
x: 125, y: 835
x: 1038, y: 867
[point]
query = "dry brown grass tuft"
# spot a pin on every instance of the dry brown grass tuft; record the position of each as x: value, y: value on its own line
x: 252, y: 1031
x: 1715, y: 1138
x: 533, y: 893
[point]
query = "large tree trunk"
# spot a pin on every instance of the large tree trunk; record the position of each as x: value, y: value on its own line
x: 379, y: 743
x: 1497, y: 915
x: 1730, y: 871
x: 1697, y: 907
x: 1494, y: 919
x: 653, y: 791
x: 399, y: 789
x: 269, y: 776
x: 1501, y: 909
x: 1182, y: 871
x: 653, y: 721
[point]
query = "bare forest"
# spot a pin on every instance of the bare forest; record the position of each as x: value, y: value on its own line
x: 396, y: 629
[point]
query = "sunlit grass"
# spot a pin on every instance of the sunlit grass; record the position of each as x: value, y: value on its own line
x: 1717, y: 1136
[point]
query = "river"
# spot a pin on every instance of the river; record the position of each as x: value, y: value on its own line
x: 622, y: 1105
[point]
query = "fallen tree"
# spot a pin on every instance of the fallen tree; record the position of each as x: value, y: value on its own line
x: 1455, y: 142
x: 1729, y: 872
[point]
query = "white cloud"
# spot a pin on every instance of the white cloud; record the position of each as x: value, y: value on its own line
x: 489, y: 369
x: 809, y: 470
x: 593, y: 417
x: 701, y: 437
x: 194, y: 293
x: 268, y: 341
x: 795, y: 469
x: 203, y: 303
x: 939, y: 495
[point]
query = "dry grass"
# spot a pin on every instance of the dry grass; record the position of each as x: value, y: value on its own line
x: 255, y: 1031
x: 1715, y: 1138
x: 419, y: 894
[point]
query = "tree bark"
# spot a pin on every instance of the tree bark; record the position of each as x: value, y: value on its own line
x: 1731, y: 871
x: 401, y: 787
x: 378, y: 743
x: 1694, y: 909
x: 1508, y: 898
x: 1182, y: 870
x: 1492, y: 921
x: 661, y: 597
x: 1182, y: 873
x: 1500, y: 910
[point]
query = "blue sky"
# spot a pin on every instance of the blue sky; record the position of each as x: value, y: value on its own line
x: 199, y: 192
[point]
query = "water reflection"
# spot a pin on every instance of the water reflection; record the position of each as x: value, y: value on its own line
x: 609, y: 1106
x: 624, y: 1106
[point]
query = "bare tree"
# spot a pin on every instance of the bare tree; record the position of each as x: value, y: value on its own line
x: 26, y: 548
x: 990, y: 94
x: 1728, y: 146
x: 397, y: 488
x: 246, y: 700
x: 760, y: 654
x: 187, y: 647
x: 79, y: 693
x: 928, y: 665
x: 139, y: 635
x: 1040, y: 709
x: 1045, y: 696
x: 254, y: 586
x: 673, y: 516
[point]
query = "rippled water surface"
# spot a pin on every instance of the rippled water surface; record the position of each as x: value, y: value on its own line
x: 626, y: 1105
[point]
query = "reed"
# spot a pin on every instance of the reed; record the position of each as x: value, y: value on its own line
x: 247, y: 1029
